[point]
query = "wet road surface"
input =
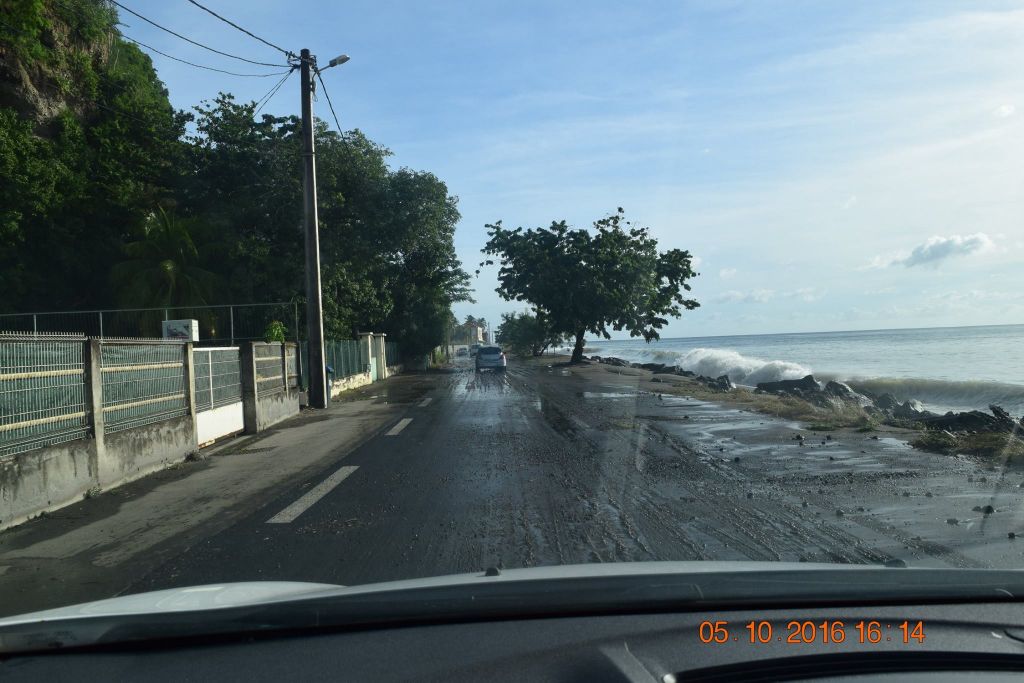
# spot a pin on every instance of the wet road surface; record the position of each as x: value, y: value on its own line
x: 457, y: 471
x: 540, y: 466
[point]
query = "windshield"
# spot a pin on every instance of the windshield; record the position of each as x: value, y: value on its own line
x: 419, y: 290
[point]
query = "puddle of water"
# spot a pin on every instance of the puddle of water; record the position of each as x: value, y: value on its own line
x: 604, y: 394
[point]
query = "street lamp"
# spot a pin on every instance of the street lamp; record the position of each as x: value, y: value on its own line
x: 340, y: 59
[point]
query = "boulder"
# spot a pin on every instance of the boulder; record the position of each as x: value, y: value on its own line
x: 653, y: 367
x: 886, y: 402
x: 617, y: 362
x: 686, y: 373
x: 723, y: 382
x: 911, y: 410
x: 844, y: 393
x: 972, y: 421
x: 802, y: 388
x: 1006, y: 422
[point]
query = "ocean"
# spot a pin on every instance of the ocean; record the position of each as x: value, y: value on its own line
x: 947, y: 368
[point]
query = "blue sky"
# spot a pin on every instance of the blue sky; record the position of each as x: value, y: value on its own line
x: 833, y: 165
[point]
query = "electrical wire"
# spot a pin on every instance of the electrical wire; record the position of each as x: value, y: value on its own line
x: 265, y: 100
x: 200, y: 66
x: 286, y: 53
x: 189, y: 40
x: 329, y: 103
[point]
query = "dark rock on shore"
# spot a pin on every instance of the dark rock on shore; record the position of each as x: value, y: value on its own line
x: 806, y: 384
x: 886, y: 402
x: 846, y: 394
x: 722, y: 382
x: 653, y: 367
x: 971, y: 421
x: 912, y: 410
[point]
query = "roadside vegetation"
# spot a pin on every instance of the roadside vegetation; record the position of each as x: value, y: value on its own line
x: 527, y: 334
x: 609, y: 278
x: 113, y: 198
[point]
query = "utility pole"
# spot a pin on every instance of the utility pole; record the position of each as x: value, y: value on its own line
x: 314, y: 296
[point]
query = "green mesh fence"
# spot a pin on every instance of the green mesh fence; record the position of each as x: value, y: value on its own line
x: 218, y: 378
x: 143, y: 383
x: 42, y: 391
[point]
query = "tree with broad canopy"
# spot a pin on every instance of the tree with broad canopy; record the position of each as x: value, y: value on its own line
x: 611, y: 279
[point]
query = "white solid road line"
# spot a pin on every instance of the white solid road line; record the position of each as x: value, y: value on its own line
x: 425, y: 402
x: 312, y: 496
x: 397, y: 429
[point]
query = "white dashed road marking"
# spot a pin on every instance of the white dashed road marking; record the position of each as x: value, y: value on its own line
x: 290, y: 513
x: 425, y: 402
x: 397, y: 429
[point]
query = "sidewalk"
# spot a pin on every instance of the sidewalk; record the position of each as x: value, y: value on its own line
x: 97, y: 547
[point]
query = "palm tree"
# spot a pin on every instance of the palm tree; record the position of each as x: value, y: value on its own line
x: 163, y: 269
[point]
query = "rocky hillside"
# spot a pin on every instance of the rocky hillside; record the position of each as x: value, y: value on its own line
x: 51, y: 57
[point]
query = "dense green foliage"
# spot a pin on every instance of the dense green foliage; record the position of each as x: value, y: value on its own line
x: 107, y: 201
x: 524, y: 333
x: 613, y: 278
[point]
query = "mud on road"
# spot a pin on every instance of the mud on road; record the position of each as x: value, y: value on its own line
x: 597, y: 465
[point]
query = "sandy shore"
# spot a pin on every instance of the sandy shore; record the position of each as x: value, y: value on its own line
x: 926, y: 509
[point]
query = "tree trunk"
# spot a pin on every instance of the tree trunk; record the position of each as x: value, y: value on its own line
x: 577, y: 351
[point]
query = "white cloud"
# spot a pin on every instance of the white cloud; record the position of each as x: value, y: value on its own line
x: 934, y: 250
x: 807, y: 294
x: 850, y: 202
x: 1004, y: 110
x: 726, y: 273
x: 757, y: 296
x: 937, y: 249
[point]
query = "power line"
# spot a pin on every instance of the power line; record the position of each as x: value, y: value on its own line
x: 265, y: 100
x: 287, y: 53
x: 200, y: 66
x: 189, y: 40
x: 329, y: 103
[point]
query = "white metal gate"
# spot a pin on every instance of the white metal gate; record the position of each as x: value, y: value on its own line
x: 218, y: 392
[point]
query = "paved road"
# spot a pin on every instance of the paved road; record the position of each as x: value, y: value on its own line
x: 533, y: 467
x: 450, y: 472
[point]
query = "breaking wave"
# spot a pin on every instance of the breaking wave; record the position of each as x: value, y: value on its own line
x: 946, y: 395
x: 937, y: 395
x: 715, y: 363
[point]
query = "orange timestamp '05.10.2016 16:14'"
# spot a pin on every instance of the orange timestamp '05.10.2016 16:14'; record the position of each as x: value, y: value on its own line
x: 799, y: 632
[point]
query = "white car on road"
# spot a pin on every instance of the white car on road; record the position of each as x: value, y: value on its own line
x: 490, y: 357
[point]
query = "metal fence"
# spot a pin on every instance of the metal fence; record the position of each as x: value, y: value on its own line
x: 344, y: 357
x: 269, y: 369
x: 218, y: 325
x: 42, y: 391
x: 143, y: 382
x: 391, y: 353
x: 218, y: 377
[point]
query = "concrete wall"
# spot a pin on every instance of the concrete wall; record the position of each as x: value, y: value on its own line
x: 51, y: 477
x: 133, y: 453
x: 351, y: 382
x: 45, y: 479
x: 261, y: 410
x: 273, y: 408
